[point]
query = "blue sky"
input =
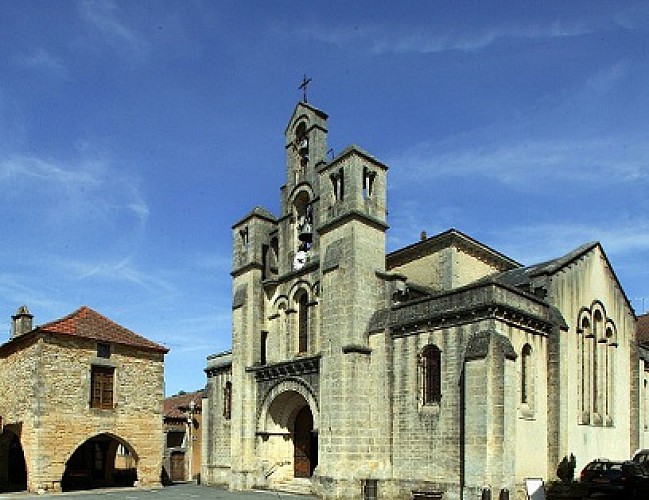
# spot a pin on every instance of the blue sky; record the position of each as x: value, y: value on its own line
x: 134, y: 134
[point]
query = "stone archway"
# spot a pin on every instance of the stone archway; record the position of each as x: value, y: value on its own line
x: 288, y: 434
x: 13, y: 466
x: 100, y: 462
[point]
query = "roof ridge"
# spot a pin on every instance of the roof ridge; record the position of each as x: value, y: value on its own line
x: 111, y: 332
x: 44, y: 326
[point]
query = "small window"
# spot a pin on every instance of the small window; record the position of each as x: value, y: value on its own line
x: 431, y: 364
x: 263, y: 347
x: 101, y: 387
x: 526, y: 375
x: 103, y: 350
x: 245, y: 240
x: 368, y: 183
x: 175, y: 439
x: 370, y: 490
x: 227, y: 400
x: 303, y: 327
x: 338, y: 184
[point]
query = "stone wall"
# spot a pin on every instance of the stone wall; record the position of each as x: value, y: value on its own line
x: 217, y: 458
x: 586, y: 281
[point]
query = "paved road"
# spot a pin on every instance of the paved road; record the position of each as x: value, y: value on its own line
x: 182, y: 491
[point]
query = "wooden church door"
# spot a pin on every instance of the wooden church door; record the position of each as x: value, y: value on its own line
x: 305, y: 446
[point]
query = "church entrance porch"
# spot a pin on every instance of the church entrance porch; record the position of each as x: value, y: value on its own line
x: 101, y: 461
x: 13, y: 468
x: 288, y: 443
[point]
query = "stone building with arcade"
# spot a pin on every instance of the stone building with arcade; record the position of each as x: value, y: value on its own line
x: 441, y: 368
x: 81, y: 405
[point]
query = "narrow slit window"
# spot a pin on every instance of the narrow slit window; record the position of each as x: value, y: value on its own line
x: 227, y: 400
x: 431, y: 361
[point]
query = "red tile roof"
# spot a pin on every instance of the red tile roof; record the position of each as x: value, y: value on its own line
x: 88, y: 324
x: 643, y: 329
x: 177, y: 406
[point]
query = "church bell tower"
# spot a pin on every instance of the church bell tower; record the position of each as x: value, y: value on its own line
x: 306, y: 149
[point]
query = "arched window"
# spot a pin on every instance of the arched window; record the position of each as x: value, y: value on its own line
x: 303, y: 323
x: 527, y: 375
x: 598, y: 340
x: 645, y: 406
x: 609, y: 371
x: 586, y: 377
x: 338, y: 185
x: 227, y: 400
x: 368, y: 183
x: 596, y: 384
x: 431, y: 367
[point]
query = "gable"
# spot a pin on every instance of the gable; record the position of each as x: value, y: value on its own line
x: 590, y: 271
x: 588, y: 282
x: 448, y: 261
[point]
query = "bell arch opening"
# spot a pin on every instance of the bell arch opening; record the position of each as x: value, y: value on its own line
x: 13, y: 466
x: 103, y: 461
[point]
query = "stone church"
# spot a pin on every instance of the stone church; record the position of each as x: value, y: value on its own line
x: 439, y: 370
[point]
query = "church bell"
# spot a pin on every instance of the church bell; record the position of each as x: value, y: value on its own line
x: 304, y: 147
x: 306, y: 233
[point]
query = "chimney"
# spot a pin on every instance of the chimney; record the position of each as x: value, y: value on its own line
x: 22, y: 322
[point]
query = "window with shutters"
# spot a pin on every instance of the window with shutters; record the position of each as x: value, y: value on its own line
x: 101, y: 387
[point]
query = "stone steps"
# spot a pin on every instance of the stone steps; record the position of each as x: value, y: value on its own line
x: 296, y: 486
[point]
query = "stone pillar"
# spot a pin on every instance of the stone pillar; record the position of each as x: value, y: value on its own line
x: 489, y: 414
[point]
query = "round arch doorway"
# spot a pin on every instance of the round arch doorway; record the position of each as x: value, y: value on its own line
x: 99, y: 462
x: 13, y: 467
x: 288, y: 435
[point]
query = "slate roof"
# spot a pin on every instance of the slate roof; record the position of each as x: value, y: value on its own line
x: 524, y: 275
x: 89, y: 324
x: 643, y: 329
x: 176, y: 406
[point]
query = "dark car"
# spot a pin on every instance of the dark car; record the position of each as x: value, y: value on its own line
x: 642, y: 457
x: 624, y: 479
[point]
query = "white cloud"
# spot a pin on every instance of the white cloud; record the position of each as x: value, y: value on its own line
x: 25, y: 167
x: 532, y: 244
x: 597, y: 160
x: 83, y: 187
x: 104, y: 17
x: 121, y: 270
x: 42, y: 59
x: 431, y: 39
x: 15, y: 290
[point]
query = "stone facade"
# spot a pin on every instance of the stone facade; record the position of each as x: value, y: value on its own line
x: 443, y: 367
x: 46, y: 402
